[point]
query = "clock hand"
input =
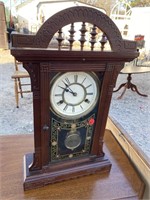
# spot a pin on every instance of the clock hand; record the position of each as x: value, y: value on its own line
x: 66, y: 90
x: 70, y: 90
x: 74, y: 93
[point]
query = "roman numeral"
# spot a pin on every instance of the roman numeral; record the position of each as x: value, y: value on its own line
x: 73, y: 109
x: 81, y: 107
x: 88, y: 86
x: 83, y: 80
x: 58, y: 95
x: 75, y: 78
x: 89, y: 93
x: 66, y: 106
x: 67, y: 80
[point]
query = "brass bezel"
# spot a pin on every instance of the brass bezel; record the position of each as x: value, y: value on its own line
x: 74, y: 117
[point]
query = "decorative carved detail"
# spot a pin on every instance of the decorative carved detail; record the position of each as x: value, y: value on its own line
x: 110, y: 67
x: 83, y: 31
x: 130, y: 44
x: 44, y: 67
x: 93, y: 37
x: 114, y: 69
x: 22, y: 40
x: 71, y: 15
x: 103, y: 41
x: 81, y: 14
x: 59, y: 38
x: 32, y: 69
x: 36, y: 94
x: 71, y: 39
x: 80, y: 67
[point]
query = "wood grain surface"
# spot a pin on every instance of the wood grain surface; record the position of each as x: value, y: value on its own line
x: 122, y: 181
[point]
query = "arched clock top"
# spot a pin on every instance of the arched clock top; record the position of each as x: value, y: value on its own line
x: 79, y: 14
x: 72, y: 15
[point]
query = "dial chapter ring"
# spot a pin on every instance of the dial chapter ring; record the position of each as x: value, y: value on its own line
x: 70, y: 98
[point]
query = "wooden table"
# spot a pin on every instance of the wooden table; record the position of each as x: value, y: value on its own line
x: 123, y: 181
x: 129, y: 70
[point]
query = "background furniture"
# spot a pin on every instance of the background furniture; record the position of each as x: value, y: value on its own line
x: 20, y: 77
x: 129, y: 70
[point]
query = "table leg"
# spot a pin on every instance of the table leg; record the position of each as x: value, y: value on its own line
x: 129, y: 85
x: 124, y: 90
x: 122, y: 85
x: 134, y: 89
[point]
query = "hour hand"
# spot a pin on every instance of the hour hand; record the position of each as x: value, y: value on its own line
x: 69, y: 89
x: 66, y: 90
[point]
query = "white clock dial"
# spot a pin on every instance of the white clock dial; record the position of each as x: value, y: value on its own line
x: 74, y: 94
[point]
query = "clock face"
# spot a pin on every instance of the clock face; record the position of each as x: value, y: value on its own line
x: 74, y: 94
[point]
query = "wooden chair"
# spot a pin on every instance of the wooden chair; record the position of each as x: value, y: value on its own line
x: 17, y: 76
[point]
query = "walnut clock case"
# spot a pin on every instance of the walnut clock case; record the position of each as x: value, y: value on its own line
x: 73, y: 61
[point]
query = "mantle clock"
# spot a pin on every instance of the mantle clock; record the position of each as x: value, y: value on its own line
x: 73, y: 61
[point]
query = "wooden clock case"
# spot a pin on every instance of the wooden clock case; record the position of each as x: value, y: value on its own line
x: 43, y: 62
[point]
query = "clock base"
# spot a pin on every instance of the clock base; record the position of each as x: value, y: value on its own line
x: 41, y: 178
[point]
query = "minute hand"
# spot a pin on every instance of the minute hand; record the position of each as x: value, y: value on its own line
x: 70, y: 90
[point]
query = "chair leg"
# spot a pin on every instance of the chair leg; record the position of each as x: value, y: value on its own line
x: 16, y: 93
x: 20, y: 88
